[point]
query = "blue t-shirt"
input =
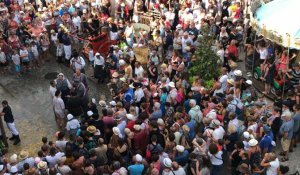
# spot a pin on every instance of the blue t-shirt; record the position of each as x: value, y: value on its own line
x: 266, y: 142
x: 136, y: 169
x: 287, y: 127
x: 191, y: 125
x: 182, y: 158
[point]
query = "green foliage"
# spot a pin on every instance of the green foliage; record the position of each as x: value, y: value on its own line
x: 205, y: 64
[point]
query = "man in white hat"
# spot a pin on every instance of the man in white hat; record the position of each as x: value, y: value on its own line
x: 138, y: 166
x: 171, y: 98
x: 286, y: 131
x: 195, y: 113
x: 218, y: 132
x: 72, y: 125
x: 182, y: 155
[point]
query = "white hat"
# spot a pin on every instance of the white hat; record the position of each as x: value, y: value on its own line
x: 13, y: 158
x: 44, y: 8
x: 160, y: 121
x: 167, y: 162
x: 138, y: 158
x: 180, y: 148
x: 246, y: 135
x: 90, y: 113
x: 112, y: 103
x: 121, y: 62
x: 102, y: 103
x: 286, y: 114
x: 253, y: 142
x: 215, y: 122
x: 171, y: 84
x: 13, y: 170
x: 97, y: 54
x: 39, y: 9
x: 69, y: 116
x: 137, y: 127
x: 94, y: 100
x: 123, y: 79
x: 125, y: 48
x: 249, y: 82
x: 130, y: 117
x: 238, y: 73
x: 116, y: 131
x: 84, y: 11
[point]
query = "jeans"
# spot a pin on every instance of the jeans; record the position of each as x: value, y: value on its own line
x: 216, y: 169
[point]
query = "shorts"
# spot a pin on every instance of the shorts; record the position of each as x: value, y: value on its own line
x: 17, y: 68
x: 261, y: 61
x: 285, y: 143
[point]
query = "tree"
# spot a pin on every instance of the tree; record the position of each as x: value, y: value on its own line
x: 205, y: 61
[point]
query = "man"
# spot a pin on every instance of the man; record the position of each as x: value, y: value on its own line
x: 223, y: 79
x: 195, y: 112
x: 77, y: 62
x: 59, y: 109
x: 81, y: 77
x: 266, y: 142
x: 286, y: 131
x: 72, y: 125
x: 138, y: 167
x: 157, y: 113
x: 9, y: 119
x: 138, y: 70
x: 99, y: 63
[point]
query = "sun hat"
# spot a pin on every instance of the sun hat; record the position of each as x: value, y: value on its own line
x: 286, y: 114
x: 171, y: 84
x: 91, y: 129
x: 180, y: 148
x: 230, y: 81
x: 90, y: 113
x: 138, y: 158
x: 112, y: 103
x: 13, y: 158
x: 246, y: 135
x: 116, y: 131
x: 70, y: 116
x: 215, y: 122
x: 97, y: 54
x: 160, y: 121
x: 253, y: 142
x: 102, y: 103
x: 13, y: 170
x: 42, y: 165
x: 23, y: 154
x: 238, y: 73
x: 137, y: 127
x: 122, y: 62
x: 249, y: 82
x: 167, y: 162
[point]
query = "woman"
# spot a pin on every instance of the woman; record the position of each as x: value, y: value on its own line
x: 254, y: 153
x: 152, y: 72
x: 271, y: 163
x: 177, y: 41
x: 121, y: 150
x: 216, y: 159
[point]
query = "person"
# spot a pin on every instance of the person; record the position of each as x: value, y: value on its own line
x: 271, y: 162
x: 59, y: 109
x: 138, y: 167
x: 99, y: 62
x: 72, y: 125
x: 63, y: 84
x: 286, y: 131
x: 9, y: 119
x: 77, y: 62
x: 216, y: 159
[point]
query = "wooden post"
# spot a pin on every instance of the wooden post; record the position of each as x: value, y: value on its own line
x: 4, y: 139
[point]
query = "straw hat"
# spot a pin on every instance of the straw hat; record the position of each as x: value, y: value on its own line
x: 186, y: 128
x: 13, y: 158
x: 62, y: 159
x: 171, y: 84
x: 238, y: 73
x: 91, y: 129
x: 233, y: 65
x: 23, y: 154
x: 42, y: 165
x: 167, y: 162
x: 137, y: 127
x: 230, y: 81
x: 116, y: 131
x: 253, y: 142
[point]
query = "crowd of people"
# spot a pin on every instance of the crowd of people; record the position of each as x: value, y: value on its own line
x: 157, y: 120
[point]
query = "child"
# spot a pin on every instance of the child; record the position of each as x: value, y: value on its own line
x: 91, y: 55
x: 24, y: 55
x: 17, y: 62
x: 59, y: 51
x: 35, y: 53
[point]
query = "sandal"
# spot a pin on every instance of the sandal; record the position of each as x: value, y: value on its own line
x: 284, y: 159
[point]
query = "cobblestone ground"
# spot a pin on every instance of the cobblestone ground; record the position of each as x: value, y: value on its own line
x: 32, y: 105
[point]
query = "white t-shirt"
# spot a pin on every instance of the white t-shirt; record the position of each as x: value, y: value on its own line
x: 263, y: 53
x: 218, y: 133
x: 139, y: 71
x: 223, y: 81
x: 16, y: 59
x: 216, y: 159
x: 53, y: 160
x: 272, y: 170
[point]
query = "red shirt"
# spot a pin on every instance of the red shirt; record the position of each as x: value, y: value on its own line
x: 233, y: 49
